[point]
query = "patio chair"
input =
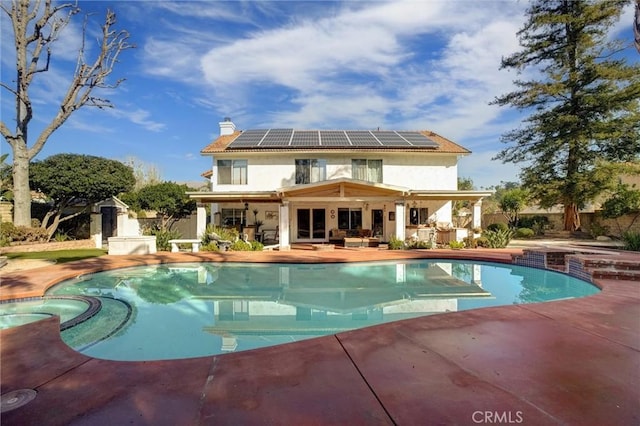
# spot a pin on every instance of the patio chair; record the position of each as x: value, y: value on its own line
x: 270, y: 235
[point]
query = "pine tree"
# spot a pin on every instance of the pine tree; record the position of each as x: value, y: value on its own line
x: 583, y: 103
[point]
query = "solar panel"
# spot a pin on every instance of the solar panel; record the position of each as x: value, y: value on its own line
x: 390, y: 138
x: 333, y: 138
x: 418, y: 140
x: 362, y: 138
x: 277, y: 138
x: 248, y: 138
x: 305, y: 138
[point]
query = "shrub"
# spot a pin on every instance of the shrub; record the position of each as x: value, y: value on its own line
x: 228, y: 234
x: 498, y: 239
x: 7, y: 230
x: 420, y: 245
x: 537, y: 223
x: 163, y: 237
x: 631, y: 241
x: 211, y: 246
x: 29, y: 235
x: 500, y: 226
x: 525, y: 233
x: 597, y: 229
x: 470, y: 242
x: 456, y: 244
x: 257, y: 246
x: 482, y: 242
x: 240, y: 245
x: 60, y: 236
x: 395, y: 243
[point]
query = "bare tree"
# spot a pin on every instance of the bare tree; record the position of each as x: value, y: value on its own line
x: 36, y: 27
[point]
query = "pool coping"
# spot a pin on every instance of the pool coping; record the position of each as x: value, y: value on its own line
x: 568, y: 362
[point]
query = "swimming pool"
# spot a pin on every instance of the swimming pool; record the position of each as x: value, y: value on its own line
x: 188, y: 310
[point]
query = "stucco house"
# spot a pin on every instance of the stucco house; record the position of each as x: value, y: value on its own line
x: 317, y: 186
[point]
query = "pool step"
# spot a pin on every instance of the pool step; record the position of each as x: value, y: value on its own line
x: 584, y: 264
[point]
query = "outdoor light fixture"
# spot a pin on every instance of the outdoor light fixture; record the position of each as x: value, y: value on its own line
x: 246, y: 206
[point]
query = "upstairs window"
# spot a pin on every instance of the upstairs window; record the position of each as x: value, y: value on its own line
x: 311, y: 170
x: 369, y: 170
x: 232, y: 172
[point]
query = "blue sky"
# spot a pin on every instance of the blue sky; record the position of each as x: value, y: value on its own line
x: 402, y: 65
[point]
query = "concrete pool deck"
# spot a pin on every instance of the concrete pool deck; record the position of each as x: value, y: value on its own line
x: 566, y: 362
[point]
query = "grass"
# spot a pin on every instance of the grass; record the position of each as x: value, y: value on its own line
x: 59, y: 256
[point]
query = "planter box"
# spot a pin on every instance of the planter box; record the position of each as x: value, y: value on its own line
x: 132, y: 245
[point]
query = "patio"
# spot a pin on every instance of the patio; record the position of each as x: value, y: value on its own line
x: 565, y: 362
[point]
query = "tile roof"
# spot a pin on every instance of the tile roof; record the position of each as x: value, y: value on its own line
x: 444, y: 146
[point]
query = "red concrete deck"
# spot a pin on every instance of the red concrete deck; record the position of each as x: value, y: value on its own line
x: 566, y: 362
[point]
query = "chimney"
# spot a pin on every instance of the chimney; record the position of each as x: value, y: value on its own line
x: 227, y: 127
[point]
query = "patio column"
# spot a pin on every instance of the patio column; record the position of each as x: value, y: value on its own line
x: 476, y: 216
x: 201, y: 220
x: 400, y: 220
x: 283, y: 226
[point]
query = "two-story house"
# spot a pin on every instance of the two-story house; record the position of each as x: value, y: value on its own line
x: 312, y: 185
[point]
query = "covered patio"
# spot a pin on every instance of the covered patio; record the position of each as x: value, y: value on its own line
x: 314, y: 213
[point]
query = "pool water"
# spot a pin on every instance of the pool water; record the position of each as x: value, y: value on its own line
x: 190, y: 310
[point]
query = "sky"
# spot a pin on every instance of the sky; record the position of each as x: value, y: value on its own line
x: 398, y: 65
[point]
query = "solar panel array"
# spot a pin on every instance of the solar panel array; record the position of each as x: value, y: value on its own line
x: 280, y: 138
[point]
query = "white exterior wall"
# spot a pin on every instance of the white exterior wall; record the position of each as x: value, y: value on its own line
x: 411, y: 170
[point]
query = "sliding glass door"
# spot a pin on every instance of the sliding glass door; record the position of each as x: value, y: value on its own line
x: 311, y: 224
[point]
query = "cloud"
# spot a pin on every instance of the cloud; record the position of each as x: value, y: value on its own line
x: 139, y: 117
x: 362, y: 63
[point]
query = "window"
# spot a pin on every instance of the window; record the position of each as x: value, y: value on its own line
x: 232, y: 172
x: 418, y: 216
x: 349, y: 218
x: 311, y: 170
x: 233, y: 218
x: 369, y: 170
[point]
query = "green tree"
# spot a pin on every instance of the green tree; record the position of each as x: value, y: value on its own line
x: 169, y: 200
x: 624, y: 201
x: 464, y: 184
x: 36, y: 26
x: 511, y: 202
x: 72, y: 179
x: 491, y: 204
x: 582, y: 99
